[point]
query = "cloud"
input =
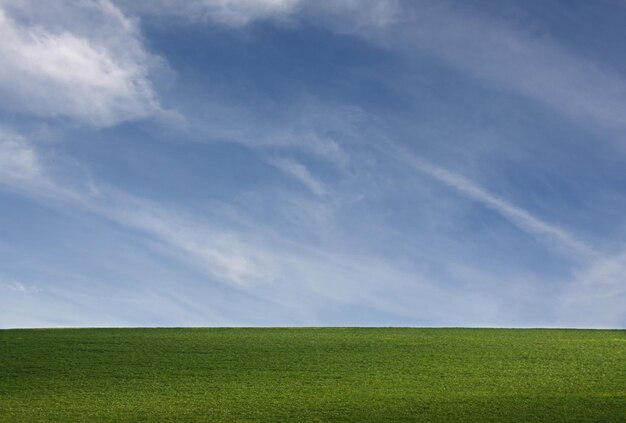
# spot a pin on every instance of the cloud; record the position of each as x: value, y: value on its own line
x: 282, y: 271
x: 215, y: 250
x: 309, y: 141
x: 18, y: 160
x: 107, y: 82
x: 275, y: 269
x: 79, y: 60
x: 516, y: 215
x: 596, y: 296
x: 18, y: 287
x: 24, y: 170
x: 240, y: 13
x: 258, y: 261
x: 301, y: 173
x: 507, y: 56
x: 235, y: 13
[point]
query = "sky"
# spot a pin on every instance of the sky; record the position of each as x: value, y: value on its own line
x: 313, y: 163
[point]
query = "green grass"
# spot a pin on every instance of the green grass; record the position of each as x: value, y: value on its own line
x: 312, y: 375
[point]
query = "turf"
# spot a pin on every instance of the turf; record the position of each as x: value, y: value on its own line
x: 312, y: 375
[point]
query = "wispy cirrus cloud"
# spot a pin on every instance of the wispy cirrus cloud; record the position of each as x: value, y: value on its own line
x: 508, y: 56
x: 259, y: 261
x: 300, y: 172
x: 516, y: 215
x: 234, y: 13
x: 19, y: 161
x: 240, y: 13
x: 19, y: 287
x: 596, y: 294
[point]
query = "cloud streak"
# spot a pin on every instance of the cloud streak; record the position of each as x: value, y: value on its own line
x: 518, y: 216
x: 233, y: 13
x: 298, y: 171
x: 18, y: 287
x: 240, y: 13
x: 18, y: 160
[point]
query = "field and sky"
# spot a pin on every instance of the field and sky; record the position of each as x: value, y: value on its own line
x: 312, y: 375
x: 333, y: 165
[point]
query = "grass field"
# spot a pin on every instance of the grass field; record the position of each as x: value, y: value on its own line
x: 312, y: 375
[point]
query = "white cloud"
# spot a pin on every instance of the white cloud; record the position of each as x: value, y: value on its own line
x: 239, y: 13
x: 276, y: 269
x: 78, y: 60
x: 23, y: 170
x: 262, y: 263
x: 596, y: 296
x: 518, y: 216
x: 286, y: 272
x: 219, y: 252
x: 18, y: 160
x: 18, y: 287
x: 507, y: 56
x: 228, y: 12
x: 310, y: 142
x: 301, y: 173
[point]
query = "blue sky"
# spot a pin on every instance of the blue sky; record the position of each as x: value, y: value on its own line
x: 298, y: 163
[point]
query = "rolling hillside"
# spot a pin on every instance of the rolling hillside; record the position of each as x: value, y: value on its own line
x: 312, y: 375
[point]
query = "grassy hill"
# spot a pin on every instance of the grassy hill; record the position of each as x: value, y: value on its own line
x: 312, y: 375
